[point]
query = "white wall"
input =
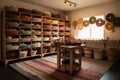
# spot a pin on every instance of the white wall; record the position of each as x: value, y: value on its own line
x: 25, y: 5
x: 102, y: 9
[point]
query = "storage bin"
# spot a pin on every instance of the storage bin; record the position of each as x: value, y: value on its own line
x: 12, y: 32
x: 55, y: 27
x: 55, y: 33
x: 37, y: 32
x: 98, y: 53
x: 45, y: 50
x: 67, y: 33
x: 113, y: 55
x: 47, y: 14
x: 12, y: 47
x: 36, y: 19
x: 67, y: 28
x: 45, y: 20
x: 55, y: 38
x: 25, y: 25
x: 61, y: 28
x: 23, y: 53
x: 27, y: 18
x: 25, y: 46
x: 61, y: 23
x: 11, y: 55
x: 46, y: 38
x: 12, y: 24
x: 11, y: 8
x: 25, y: 32
x: 33, y: 52
x: 55, y: 22
x: 36, y: 11
x: 46, y: 26
x: 67, y: 38
x: 36, y: 44
x: 24, y: 10
x: 25, y: 39
x: 46, y: 44
x: 61, y: 33
x: 88, y: 52
x: 12, y: 39
x: 10, y: 15
x: 36, y: 39
x: 47, y: 33
x: 36, y: 25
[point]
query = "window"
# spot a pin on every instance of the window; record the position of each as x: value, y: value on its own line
x: 92, y: 31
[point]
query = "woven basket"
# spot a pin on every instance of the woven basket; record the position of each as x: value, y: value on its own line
x: 98, y: 53
x: 113, y: 55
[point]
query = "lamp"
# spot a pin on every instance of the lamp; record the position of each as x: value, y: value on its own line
x: 70, y: 3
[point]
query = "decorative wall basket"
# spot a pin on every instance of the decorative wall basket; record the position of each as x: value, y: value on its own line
x: 80, y: 26
x: 116, y: 21
x: 110, y: 17
x: 109, y: 26
x: 100, y: 22
x: 92, y: 20
x: 85, y: 23
x: 74, y: 24
x: 80, y: 20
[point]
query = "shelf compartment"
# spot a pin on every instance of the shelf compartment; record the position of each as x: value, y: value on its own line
x: 10, y: 47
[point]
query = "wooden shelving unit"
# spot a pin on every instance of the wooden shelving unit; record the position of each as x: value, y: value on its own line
x: 27, y: 34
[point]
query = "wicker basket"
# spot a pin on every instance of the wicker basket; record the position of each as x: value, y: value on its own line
x: 98, y: 53
x: 23, y: 53
x: 36, y: 19
x: 88, y: 52
x: 55, y: 22
x: 12, y: 24
x: 12, y: 47
x: 11, y: 8
x: 33, y: 52
x: 37, y: 44
x: 47, y: 33
x: 13, y: 40
x: 25, y: 39
x: 113, y: 55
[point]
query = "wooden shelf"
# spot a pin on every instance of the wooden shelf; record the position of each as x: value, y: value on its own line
x: 32, y: 22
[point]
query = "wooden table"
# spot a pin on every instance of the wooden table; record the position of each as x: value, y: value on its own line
x: 71, y: 58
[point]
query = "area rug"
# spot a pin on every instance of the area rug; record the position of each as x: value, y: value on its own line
x: 46, y: 69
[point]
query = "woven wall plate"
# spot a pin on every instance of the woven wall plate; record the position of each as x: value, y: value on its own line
x: 74, y: 24
x: 110, y: 17
x: 85, y: 23
x: 116, y: 22
x: 92, y: 20
x: 80, y: 26
x: 109, y: 26
x: 80, y: 20
x: 100, y: 22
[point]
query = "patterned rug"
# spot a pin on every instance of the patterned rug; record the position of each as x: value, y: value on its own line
x: 46, y: 69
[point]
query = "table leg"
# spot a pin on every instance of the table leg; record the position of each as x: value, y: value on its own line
x: 71, y: 61
x: 58, y: 59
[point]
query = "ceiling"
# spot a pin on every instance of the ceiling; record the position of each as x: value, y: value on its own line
x: 61, y: 6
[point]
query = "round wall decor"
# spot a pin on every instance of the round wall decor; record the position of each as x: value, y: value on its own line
x: 100, y: 22
x: 92, y: 20
x: 80, y: 20
x: 80, y: 26
x: 74, y: 24
x: 110, y: 17
x: 109, y: 26
x: 85, y: 23
x: 116, y: 22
